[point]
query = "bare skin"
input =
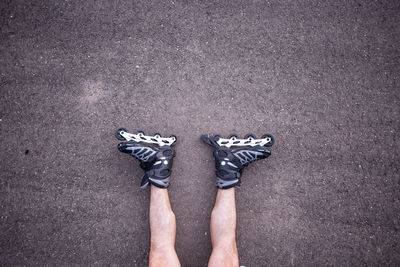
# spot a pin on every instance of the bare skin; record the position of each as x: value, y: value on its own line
x: 162, y: 229
x: 223, y: 230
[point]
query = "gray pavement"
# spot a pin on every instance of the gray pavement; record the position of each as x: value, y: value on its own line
x: 323, y: 78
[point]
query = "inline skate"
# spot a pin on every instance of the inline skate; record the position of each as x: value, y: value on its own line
x: 229, y: 163
x: 155, y: 159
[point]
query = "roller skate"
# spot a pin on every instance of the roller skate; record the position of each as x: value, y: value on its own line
x: 229, y: 163
x: 155, y: 159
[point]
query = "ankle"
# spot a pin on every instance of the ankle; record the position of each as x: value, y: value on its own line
x: 161, y: 250
x: 227, y: 255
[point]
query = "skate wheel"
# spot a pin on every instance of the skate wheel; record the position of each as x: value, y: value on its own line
x: 216, y: 137
x: 268, y: 136
x: 156, y: 135
x: 118, y: 135
x: 233, y: 136
x: 140, y: 132
x: 175, y: 139
x: 250, y: 136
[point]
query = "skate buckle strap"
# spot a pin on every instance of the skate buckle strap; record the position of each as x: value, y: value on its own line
x: 161, y: 183
x: 225, y: 184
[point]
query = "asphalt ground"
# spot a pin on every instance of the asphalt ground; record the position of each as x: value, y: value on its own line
x: 322, y: 77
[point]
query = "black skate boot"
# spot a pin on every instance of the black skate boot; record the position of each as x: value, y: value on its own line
x: 229, y: 163
x: 155, y: 161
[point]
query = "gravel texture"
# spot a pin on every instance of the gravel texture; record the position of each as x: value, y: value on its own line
x: 322, y: 77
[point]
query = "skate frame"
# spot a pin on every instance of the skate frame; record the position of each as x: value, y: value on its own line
x: 140, y: 137
x: 233, y: 141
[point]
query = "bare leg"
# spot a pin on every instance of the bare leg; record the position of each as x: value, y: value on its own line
x: 223, y: 230
x: 163, y: 229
